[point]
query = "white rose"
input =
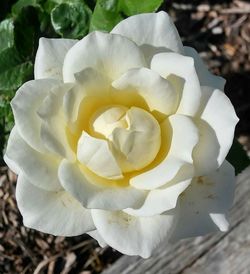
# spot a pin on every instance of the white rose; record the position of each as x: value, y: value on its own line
x: 123, y: 135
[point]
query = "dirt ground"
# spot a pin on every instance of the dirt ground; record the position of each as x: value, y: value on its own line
x: 220, y: 31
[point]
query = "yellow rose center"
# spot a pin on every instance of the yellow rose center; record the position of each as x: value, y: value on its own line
x: 133, y: 134
x: 106, y: 119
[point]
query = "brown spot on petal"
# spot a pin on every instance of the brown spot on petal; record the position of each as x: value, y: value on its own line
x: 121, y: 218
x: 210, y: 196
x: 63, y: 203
x: 200, y: 180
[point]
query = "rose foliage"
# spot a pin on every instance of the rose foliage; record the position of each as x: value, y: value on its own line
x: 123, y: 136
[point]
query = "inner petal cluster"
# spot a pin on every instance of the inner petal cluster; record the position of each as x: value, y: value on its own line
x: 123, y: 140
x: 106, y: 119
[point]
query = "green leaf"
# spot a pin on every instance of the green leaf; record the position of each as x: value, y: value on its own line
x: 90, y: 3
x: 19, y: 5
x: 27, y: 32
x: 6, y: 118
x: 132, y: 7
x: 5, y: 109
x: 105, y: 16
x: 237, y: 157
x: 18, y: 41
x: 13, y: 69
x: 71, y: 20
x: 6, y: 34
x: 109, y: 5
x: 49, y: 5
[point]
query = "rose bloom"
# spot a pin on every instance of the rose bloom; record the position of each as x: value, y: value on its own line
x: 123, y: 136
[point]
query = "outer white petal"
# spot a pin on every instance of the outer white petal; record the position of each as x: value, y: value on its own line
x: 206, y: 152
x: 96, y: 155
x: 41, y: 169
x: 167, y: 64
x: 153, y: 32
x: 216, y: 125
x: 184, y: 138
x: 156, y: 91
x: 91, y: 192
x: 206, y: 78
x: 91, y: 79
x: 53, y: 126
x: 96, y: 235
x: 50, y: 56
x: 133, y: 235
x: 56, y: 213
x: 25, y: 104
x: 205, y: 204
x: 11, y: 164
x: 165, y: 197
x: 72, y: 101
x: 107, y: 53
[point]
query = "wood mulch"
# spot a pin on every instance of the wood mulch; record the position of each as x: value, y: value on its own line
x: 220, y: 31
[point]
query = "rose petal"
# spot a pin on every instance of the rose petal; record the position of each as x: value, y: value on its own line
x: 72, y: 101
x: 94, y: 192
x: 41, y: 169
x: 206, y: 78
x: 89, y: 83
x: 205, y: 203
x: 96, y: 155
x: 179, y: 155
x: 11, y: 164
x: 206, y: 151
x: 50, y: 56
x: 164, y: 198
x: 56, y: 213
x: 133, y: 235
x: 217, y: 124
x: 153, y: 32
x: 110, y: 54
x: 96, y: 235
x: 25, y: 104
x: 155, y: 90
x: 170, y: 63
x: 53, y: 127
